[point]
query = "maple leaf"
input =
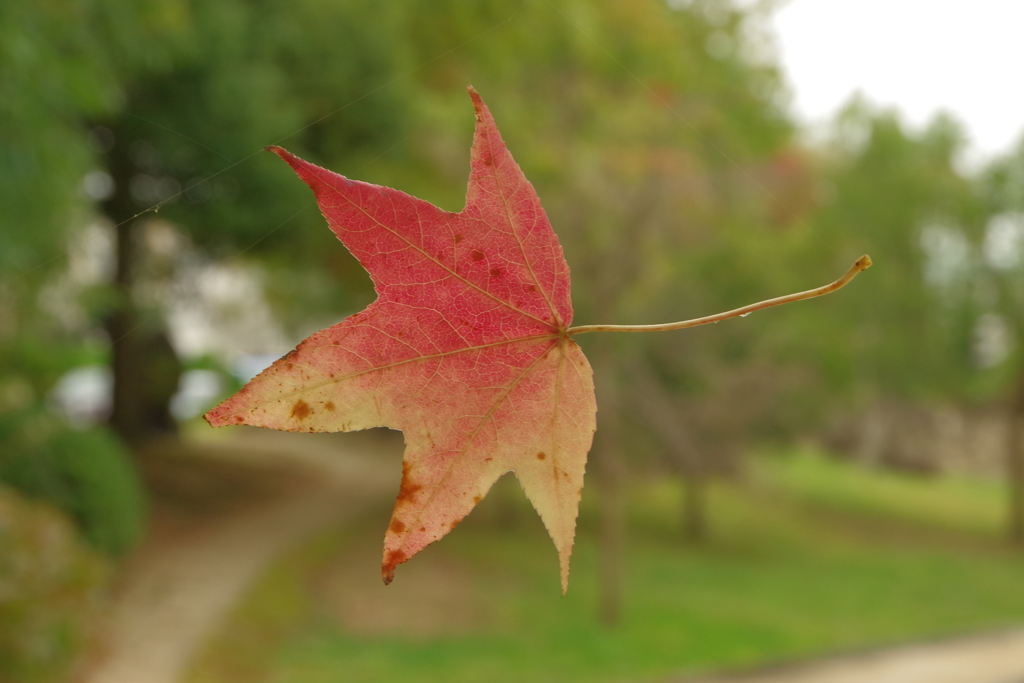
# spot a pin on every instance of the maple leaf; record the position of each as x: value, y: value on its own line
x: 466, y: 350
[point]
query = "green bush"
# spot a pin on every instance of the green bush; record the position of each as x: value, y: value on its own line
x: 89, y: 474
x: 50, y: 582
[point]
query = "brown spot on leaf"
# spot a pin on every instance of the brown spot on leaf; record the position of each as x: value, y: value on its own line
x: 422, y: 529
x: 301, y: 410
x: 477, y: 255
x: 459, y: 238
x: 454, y: 524
x: 495, y: 272
x: 541, y: 455
x: 477, y: 499
x: 407, y: 492
x: 532, y: 288
x: 239, y: 418
x: 397, y: 526
x: 393, y: 559
x: 488, y: 159
x: 329, y: 406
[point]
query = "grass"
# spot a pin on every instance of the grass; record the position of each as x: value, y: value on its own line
x: 807, y: 556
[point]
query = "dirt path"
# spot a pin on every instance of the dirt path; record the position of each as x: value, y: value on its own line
x: 222, y: 514
x: 990, y: 658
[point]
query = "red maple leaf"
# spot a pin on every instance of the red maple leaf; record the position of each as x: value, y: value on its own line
x: 466, y: 350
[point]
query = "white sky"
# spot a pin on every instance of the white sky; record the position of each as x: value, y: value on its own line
x: 963, y: 56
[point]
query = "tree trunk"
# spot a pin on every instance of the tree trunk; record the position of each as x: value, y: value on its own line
x: 662, y: 415
x: 1015, y: 480
x: 1015, y: 466
x: 695, y: 519
x: 610, y: 471
x: 144, y: 366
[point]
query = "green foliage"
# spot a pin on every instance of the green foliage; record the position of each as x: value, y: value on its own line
x: 48, y: 588
x: 60, y: 64
x: 657, y: 142
x: 653, y: 159
x: 654, y: 134
x: 176, y: 97
x: 907, y: 329
x: 892, y: 189
x: 635, y: 135
x: 164, y: 97
x: 999, y: 253
x: 249, y: 77
x: 89, y: 475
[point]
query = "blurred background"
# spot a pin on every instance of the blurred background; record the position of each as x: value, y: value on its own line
x: 835, y: 474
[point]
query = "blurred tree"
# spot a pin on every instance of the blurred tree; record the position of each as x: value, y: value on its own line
x: 127, y: 108
x: 999, y: 329
x: 886, y: 352
x: 59, y: 64
x: 899, y: 196
x: 656, y: 143
x: 248, y: 75
x: 110, y: 109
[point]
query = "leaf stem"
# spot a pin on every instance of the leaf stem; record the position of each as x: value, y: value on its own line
x: 863, y: 263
